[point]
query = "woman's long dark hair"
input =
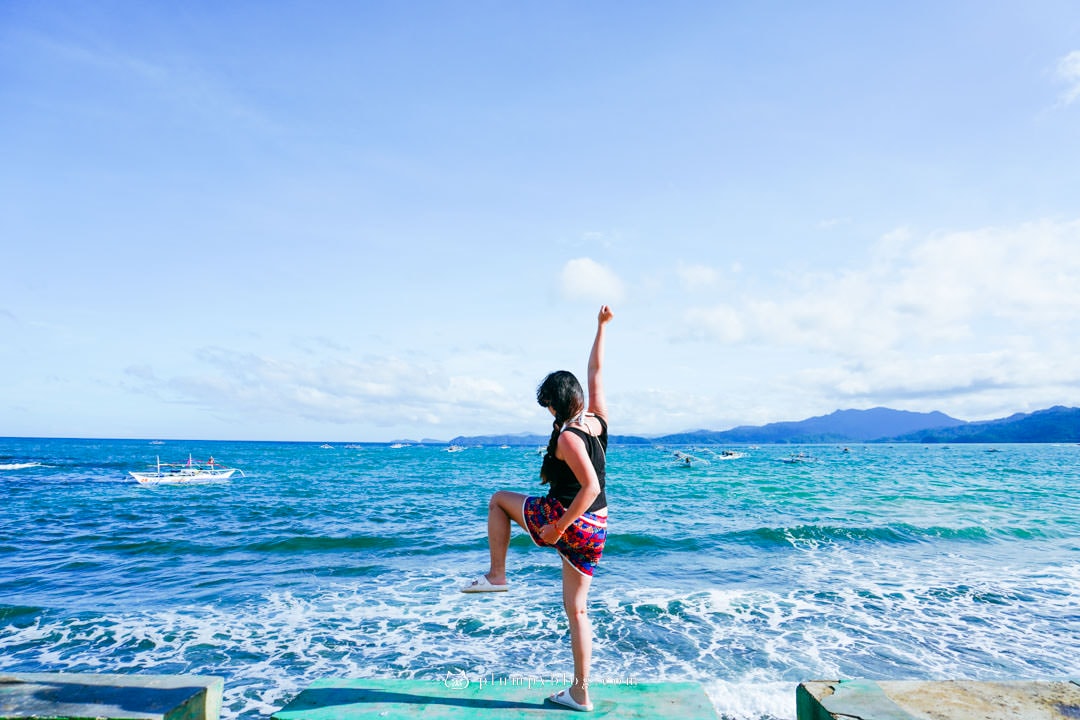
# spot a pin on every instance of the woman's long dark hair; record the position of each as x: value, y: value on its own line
x: 560, y: 391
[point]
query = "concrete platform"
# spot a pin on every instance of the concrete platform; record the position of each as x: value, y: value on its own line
x: 941, y: 700
x: 457, y: 698
x: 78, y: 696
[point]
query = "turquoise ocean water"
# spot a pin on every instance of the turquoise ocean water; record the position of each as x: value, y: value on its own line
x: 747, y: 575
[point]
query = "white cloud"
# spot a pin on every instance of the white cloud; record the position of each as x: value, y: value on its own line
x: 1069, y: 70
x: 695, y: 277
x: 953, y: 287
x: 601, y: 238
x: 385, y: 392
x: 720, y: 322
x: 832, y: 223
x: 586, y: 279
x: 973, y: 385
x: 989, y: 312
x: 901, y: 376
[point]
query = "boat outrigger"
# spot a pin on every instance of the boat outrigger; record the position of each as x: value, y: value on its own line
x: 190, y: 471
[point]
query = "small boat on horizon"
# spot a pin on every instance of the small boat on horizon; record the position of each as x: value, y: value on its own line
x: 686, y: 460
x: 190, y: 471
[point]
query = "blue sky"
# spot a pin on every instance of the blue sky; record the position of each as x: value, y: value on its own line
x: 370, y: 221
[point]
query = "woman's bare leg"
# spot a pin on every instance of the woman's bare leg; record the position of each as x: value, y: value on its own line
x: 576, y: 603
x: 503, y: 507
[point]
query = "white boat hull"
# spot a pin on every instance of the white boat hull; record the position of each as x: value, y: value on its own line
x: 183, y: 476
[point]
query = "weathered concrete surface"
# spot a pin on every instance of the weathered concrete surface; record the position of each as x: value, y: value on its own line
x: 438, y: 700
x: 941, y: 700
x: 48, y: 696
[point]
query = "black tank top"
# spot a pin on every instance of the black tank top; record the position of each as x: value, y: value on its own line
x: 564, y: 485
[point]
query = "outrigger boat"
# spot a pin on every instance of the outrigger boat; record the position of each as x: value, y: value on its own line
x: 190, y: 471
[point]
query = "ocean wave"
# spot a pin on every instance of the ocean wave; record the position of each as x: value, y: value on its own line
x: 317, y: 544
x: 818, y: 535
x: 283, y: 546
x: 19, y: 615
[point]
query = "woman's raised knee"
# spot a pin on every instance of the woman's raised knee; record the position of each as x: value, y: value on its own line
x: 498, y: 500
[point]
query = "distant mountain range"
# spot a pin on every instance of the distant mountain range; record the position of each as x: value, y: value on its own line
x: 1056, y: 424
x: 840, y: 426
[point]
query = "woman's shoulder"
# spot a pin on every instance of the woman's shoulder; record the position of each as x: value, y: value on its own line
x: 601, y: 420
x: 589, y: 425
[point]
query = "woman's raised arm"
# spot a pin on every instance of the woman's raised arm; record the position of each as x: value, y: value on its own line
x: 597, y: 403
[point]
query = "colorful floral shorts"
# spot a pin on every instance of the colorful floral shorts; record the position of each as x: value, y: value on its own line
x: 583, y: 542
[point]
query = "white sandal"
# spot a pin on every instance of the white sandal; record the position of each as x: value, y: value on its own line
x: 564, y: 698
x: 482, y: 585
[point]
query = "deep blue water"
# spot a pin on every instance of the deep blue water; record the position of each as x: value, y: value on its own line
x: 748, y: 574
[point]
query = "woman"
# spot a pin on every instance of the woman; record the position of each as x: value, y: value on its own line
x: 572, y: 517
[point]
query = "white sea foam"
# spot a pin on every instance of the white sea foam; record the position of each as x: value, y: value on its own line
x: 19, y: 466
x: 747, y: 646
x: 757, y: 700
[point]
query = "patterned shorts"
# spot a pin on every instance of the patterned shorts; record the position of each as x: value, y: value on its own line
x: 583, y: 542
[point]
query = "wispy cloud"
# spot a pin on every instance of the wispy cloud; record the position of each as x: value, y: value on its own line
x: 1068, y: 70
x: 720, y: 322
x: 180, y: 84
x: 586, y: 279
x: 695, y: 276
x: 385, y: 391
x: 605, y: 239
x: 832, y: 223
